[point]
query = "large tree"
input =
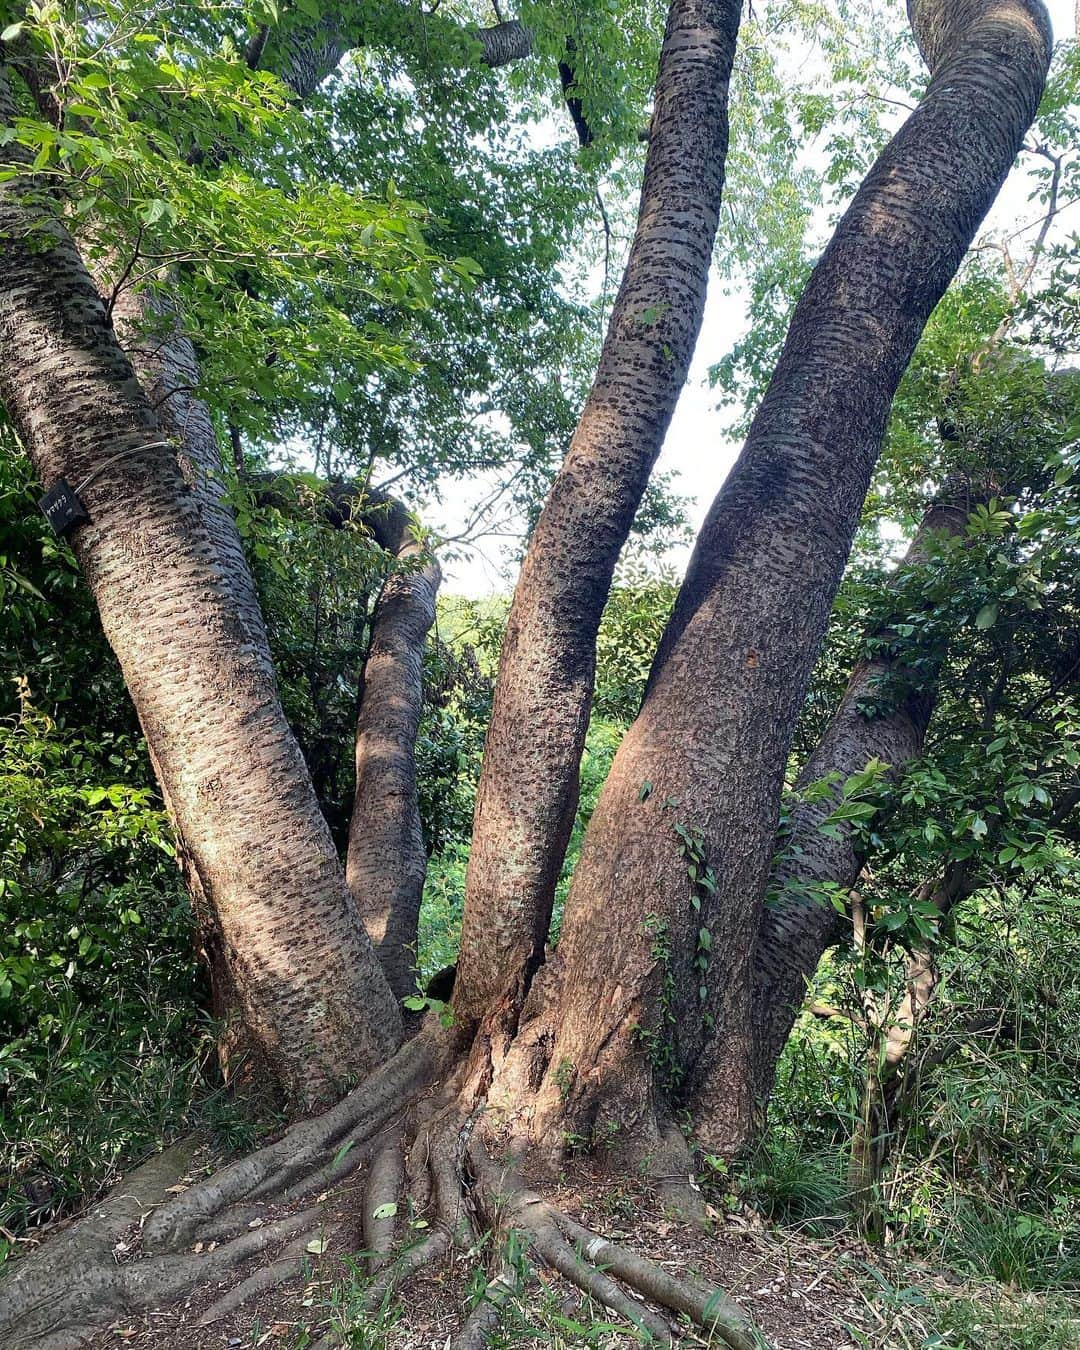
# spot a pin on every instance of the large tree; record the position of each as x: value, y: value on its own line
x: 644, y: 1014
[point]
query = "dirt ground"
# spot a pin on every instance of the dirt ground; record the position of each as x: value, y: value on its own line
x: 802, y: 1293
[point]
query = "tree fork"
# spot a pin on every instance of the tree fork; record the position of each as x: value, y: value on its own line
x: 681, y: 841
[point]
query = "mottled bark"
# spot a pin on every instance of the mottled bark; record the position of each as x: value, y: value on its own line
x: 311, y: 992
x: 528, y: 786
x: 665, y: 998
x: 387, y: 861
x: 796, y: 928
x: 150, y: 330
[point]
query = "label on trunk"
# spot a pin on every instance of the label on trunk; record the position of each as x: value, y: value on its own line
x: 62, y: 508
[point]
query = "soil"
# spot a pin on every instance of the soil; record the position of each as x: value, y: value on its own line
x: 802, y: 1292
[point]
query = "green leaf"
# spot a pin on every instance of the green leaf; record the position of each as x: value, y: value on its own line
x: 386, y: 1211
x: 987, y: 616
x: 153, y: 211
x: 11, y: 32
x: 343, y: 1151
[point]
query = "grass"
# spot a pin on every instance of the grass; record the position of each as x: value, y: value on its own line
x: 996, y: 1320
x: 795, y: 1189
x: 978, y: 1317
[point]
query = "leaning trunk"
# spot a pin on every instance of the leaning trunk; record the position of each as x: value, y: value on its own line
x: 311, y: 993
x: 681, y: 842
x: 150, y: 330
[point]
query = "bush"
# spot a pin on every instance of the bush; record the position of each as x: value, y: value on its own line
x: 102, y: 1046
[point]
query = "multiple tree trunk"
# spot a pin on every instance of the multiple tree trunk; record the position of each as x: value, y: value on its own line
x: 676, y: 862
x: 671, y: 988
x: 529, y: 782
x: 681, y: 842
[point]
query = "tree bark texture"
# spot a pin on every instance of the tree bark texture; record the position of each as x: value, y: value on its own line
x: 795, y: 928
x: 666, y: 996
x: 529, y: 782
x: 310, y: 988
x: 150, y: 330
x: 387, y: 860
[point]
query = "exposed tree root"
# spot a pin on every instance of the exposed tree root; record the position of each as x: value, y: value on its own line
x: 482, y: 1323
x: 301, y: 1151
x: 584, y: 1258
x: 207, y: 1234
x: 207, y: 1231
x: 380, y: 1201
x: 289, y: 1262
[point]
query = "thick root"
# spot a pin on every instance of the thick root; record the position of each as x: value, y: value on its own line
x: 709, y: 1308
x: 29, y: 1311
x: 275, y: 1169
x: 290, y: 1262
x: 455, y: 1190
x: 380, y: 1201
x: 482, y: 1323
x: 584, y: 1258
x: 75, y: 1285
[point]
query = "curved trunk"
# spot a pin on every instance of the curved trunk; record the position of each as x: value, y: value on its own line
x: 681, y: 842
x: 797, y: 926
x: 386, y: 861
x: 529, y: 782
x: 311, y: 992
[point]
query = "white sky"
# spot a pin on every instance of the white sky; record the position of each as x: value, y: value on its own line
x: 699, y: 446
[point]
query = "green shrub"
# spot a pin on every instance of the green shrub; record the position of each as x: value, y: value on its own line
x: 102, y: 1047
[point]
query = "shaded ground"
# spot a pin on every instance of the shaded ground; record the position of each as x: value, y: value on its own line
x: 803, y: 1293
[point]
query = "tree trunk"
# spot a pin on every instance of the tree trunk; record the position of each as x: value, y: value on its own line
x: 680, y: 845
x: 311, y: 992
x: 797, y: 927
x: 150, y: 330
x: 529, y: 782
x: 387, y: 860
x: 304, y: 54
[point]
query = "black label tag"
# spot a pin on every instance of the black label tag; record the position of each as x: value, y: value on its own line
x: 61, y: 508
